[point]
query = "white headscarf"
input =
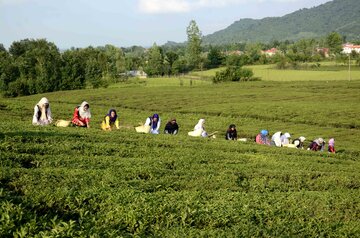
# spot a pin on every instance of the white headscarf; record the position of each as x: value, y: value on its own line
x: 41, y: 105
x: 319, y: 141
x: 200, y: 125
x: 82, y: 112
x: 277, y: 139
x: 43, y: 101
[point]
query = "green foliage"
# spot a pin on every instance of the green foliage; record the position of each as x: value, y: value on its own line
x: 334, y: 41
x: 32, y: 67
x: 193, y: 49
x: 73, y: 70
x: 341, y: 16
x: 155, y: 65
x: 180, y: 66
x: 36, y: 66
x: 215, y: 57
x: 237, y: 60
x: 76, y: 182
x: 233, y: 74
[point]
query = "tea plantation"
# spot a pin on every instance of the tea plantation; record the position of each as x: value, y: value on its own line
x: 75, y: 182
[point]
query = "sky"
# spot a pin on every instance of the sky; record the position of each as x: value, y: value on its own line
x: 124, y: 23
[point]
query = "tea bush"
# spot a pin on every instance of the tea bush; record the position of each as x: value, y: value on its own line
x: 75, y: 182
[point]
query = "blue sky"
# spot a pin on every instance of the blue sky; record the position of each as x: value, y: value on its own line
x: 81, y: 23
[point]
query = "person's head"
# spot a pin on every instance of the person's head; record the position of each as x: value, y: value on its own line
x: 85, y: 106
x: 302, y: 139
x: 332, y: 142
x: 232, y: 127
x: 264, y: 132
x: 155, y: 117
x: 112, y: 113
x: 287, y: 135
x: 321, y: 140
x: 44, y: 102
x: 173, y: 121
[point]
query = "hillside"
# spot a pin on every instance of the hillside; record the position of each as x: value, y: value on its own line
x: 339, y: 15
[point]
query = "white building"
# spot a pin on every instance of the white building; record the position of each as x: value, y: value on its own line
x: 137, y: 73
x: 348, y: 48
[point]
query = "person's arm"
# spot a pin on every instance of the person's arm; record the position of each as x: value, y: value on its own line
x: 35, y: 119
x: 107, y: 122
x: 228, y: 135
x: 147, y: 122
x: 49, y: 115
x: 87, y: 122
x: 158, y: 124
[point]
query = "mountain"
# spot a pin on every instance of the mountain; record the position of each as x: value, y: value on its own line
x: 342, y: 16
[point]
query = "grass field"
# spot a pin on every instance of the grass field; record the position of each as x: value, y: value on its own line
x: 328, y: 71
x: 74, y: 182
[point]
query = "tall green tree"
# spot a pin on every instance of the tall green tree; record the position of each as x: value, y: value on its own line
x: 39, y: 65
x: 115, y: 61
x: 334, y: 41
x: 214, y: 57
x: 155, y: 61
x: 73, y: 69
x: 193, y: 50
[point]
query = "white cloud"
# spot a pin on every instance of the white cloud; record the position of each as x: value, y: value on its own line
x: 171, y: 6
x: 164, y: 6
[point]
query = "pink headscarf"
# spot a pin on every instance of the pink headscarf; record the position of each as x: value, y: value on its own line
x: 332, y: 142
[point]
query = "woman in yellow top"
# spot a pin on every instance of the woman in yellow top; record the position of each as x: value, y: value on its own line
x: 110, y: 121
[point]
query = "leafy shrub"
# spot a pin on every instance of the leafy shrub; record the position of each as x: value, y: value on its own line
x: 234, y: 74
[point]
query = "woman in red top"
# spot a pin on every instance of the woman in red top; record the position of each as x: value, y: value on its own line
x: 82, y: 115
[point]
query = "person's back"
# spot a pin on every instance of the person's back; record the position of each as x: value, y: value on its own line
x: 171, y: 127
x: 199, y: 129
x: 299, y: 142
x: 317, y: 145
x: 276, y: 139
x: 262, y: 138
x: 331, y: 146
x: 285, y: 139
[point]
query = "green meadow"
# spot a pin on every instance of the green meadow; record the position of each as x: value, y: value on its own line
x: 327, y: 71
x: 75, y: 182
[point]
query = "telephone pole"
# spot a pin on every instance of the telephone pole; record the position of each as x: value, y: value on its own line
x: 349, y: 67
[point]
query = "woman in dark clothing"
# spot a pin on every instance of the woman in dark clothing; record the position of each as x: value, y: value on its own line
x: 317, y: 145
x: 171, y: 127
x: 231, y: 133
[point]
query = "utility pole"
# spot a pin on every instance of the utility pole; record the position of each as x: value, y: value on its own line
x: 349, y: 67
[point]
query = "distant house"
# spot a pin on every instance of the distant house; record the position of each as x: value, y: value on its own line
x: 137, y: 73
x: 323, y: 51
x: 348, y: 48
x: 270, y: 52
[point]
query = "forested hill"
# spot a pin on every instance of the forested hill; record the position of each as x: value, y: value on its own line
x: 342, y: 16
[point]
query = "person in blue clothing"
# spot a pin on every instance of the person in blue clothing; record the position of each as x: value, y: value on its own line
x: 154, y: 122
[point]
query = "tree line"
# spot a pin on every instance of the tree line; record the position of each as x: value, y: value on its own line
x: 32, y: 66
